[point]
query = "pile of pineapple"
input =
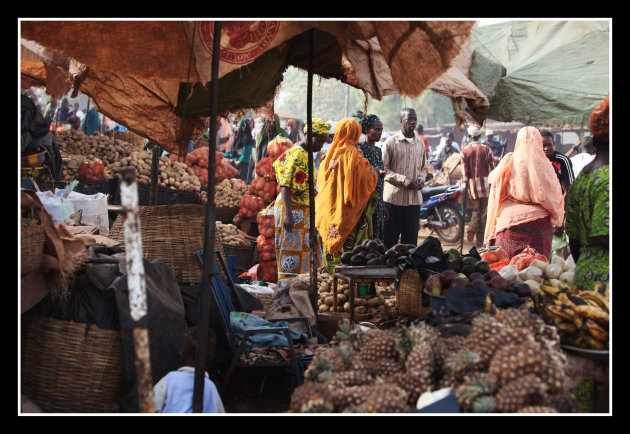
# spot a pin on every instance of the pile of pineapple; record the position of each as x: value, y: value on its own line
x: 510, y: 362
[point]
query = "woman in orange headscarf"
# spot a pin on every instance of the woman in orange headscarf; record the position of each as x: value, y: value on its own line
x: 525, y: 198
x: 347, y: 195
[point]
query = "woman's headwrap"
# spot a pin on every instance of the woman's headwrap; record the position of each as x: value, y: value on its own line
x: 599, y: 120
x: 526, y: 176
x: 319, y: 127
x: 367, y: 121
x: 346, y: 181
x: 291, y: 122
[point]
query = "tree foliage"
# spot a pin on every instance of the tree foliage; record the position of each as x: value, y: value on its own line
x: 330, y: 95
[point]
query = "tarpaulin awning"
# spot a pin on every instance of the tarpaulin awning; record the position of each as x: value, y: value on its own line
x: 542, y: 72
x: 136, y: 71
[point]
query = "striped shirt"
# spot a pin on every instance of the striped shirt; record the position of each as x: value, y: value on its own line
x: 477, y: 163
x: 403, y: 161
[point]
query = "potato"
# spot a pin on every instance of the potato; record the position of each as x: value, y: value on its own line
x: 329, y: 300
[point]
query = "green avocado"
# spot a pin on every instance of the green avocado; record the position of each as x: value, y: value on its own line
x: 453, y: 253
x: 456, y: 264
x: 468, y: 260
x: 482, y: 266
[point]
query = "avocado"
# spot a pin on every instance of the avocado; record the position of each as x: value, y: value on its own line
x: 358, y: 260
x: 391, y: 253
x: 370, y: 256
x: 346, y: 257
x: 372, y: 245
x: 468, y: 270
x: 468, y: 260
x: 376, y: 261
x: 358, y: 249
x: 456, y: 264
x: 381, y: 248
x: 482, y: 267
x: 390, y: 261
x: 453, y: 253
x: 366, y: 242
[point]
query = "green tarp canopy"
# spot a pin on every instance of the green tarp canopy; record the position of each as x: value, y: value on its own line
x: 548, y: 73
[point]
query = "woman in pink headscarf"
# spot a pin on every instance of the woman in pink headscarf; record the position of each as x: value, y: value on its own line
x: 525, y: 198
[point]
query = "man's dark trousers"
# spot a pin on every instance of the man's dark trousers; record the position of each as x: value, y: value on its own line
x: 404, y: 221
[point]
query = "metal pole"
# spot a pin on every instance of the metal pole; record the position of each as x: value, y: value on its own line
x: 155, y: 169
x: 137, y: 287
x: 208, y: 244
x: 311, y: 186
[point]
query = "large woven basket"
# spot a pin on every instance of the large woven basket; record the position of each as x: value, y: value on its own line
x: 70, y: 367
x: 32, y: 240
x: 171, y: 233
x: 409, y: 294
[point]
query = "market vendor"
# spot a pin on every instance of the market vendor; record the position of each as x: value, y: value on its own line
x: 292, y: 206
x: 347, y: 196
x: 588, y: 208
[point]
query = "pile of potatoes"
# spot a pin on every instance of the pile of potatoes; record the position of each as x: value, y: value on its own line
x: 108, y: 149
x: 231, y: 235
x: 228, y: 193
x: 364, y: 304
x: 171, y: 174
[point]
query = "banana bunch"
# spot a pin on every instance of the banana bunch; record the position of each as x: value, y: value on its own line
x: 581, y: 316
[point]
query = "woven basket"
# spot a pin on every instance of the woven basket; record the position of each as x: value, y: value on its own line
x: 409, y: 294
x: 172, y: 233
x: 70, y: 367
x: 265, y: 299
x: 244, y: 254
x: 32, y: 240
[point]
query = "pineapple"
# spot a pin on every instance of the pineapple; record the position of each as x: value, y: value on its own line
x: 311, y: 397
x: 421, y: 361
x: 387, y: 398
x: 485, y: 404
x: 505, y: 336
x: 525, y: 391
x: 380, y: 346
x: 516, y: 360
x: 481, y: 332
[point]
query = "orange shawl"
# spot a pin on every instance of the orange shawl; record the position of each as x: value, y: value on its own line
x: 345, y: 182
x: 524, y: 187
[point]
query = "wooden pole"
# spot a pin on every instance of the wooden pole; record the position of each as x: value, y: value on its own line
x: 155, y: 170
x: 311, y: 187
x: 208, y: 244
x: 137, y: 287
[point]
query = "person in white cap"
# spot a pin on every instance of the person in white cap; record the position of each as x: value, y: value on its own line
x: 495, y: 145
x: 477, y: 163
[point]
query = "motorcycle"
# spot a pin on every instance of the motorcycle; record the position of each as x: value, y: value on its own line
x: 441, y: 211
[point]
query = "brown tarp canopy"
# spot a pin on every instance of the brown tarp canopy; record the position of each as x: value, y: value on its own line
x: 135, y: 71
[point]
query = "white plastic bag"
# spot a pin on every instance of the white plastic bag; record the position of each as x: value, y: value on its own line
x: 94, y: 209
x: 58, y: 208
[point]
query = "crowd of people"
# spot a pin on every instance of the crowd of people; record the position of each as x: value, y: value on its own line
x: 367, y: 187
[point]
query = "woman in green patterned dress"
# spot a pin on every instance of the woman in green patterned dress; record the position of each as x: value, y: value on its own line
x: 372, y: 128
x: 588, y: 209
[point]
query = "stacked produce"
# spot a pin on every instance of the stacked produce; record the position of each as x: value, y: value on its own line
x: 373, y: 305
x: 581, y: 316
x: 266, y: 246
x: 373, y: 252
x: 250, y: 207
x: 228, y: 193
x: 510, y: 362
x: 171, y: 174
x: 91, y: 169
x: 277, y: 146
x: 105, y: 148
x: 469, y: 272
x: 197, y: 160
x: 231, y: 235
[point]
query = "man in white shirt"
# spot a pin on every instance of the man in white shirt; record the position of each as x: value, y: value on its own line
x: 405, y: 162
x: 443, y: 141
x: 580, y: 160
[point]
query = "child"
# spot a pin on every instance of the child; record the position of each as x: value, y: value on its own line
x: 174, y: 392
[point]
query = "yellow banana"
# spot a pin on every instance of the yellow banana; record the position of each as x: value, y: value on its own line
x: 563, y: 298
x: 595, y: 344
x: 578, y: 321
x: 596, y: 297
x: 560, y: 311
x: 549, y: 289
x: 595, y: 330
x: 564, y: 325
x: 592, y: 312
x: 576, y: 299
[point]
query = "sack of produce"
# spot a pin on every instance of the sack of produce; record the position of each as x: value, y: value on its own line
x: 264, y: 188
x: 91, y: 169
x: 268, y: 271
x: 264, y: 168
x: 250, y: 206
x: 278, y: 146
x: 266, y: 223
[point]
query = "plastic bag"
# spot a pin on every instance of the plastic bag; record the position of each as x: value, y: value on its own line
x: 58, y: 208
